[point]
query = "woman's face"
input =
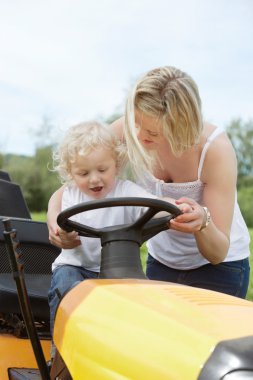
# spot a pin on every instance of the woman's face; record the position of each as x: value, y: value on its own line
x: 149, y: 131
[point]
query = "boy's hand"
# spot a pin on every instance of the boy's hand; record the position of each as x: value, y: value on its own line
x: 63, y: 239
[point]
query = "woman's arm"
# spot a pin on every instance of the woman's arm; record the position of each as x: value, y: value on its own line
x: 219, y: 174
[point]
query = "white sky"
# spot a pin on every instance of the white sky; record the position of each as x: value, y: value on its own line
x: 74, y: 60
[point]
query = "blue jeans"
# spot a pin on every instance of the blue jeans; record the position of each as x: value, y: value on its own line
x: 64, y: 278
x: 228, y: 277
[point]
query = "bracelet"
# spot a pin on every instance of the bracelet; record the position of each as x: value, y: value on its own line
x: 206, y: 220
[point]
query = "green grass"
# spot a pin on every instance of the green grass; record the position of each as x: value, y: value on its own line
x: 39, y: 216
x: 42, y: 217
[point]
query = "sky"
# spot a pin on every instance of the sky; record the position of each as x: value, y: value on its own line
x: 67, y: 61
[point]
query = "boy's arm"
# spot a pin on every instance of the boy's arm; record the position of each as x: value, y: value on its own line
x: 57, y: 236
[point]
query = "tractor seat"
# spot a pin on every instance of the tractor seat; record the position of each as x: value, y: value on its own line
x: 37, y: 288
x: 37, y: 255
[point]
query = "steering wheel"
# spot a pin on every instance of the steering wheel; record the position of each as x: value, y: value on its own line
x: 121, y: 243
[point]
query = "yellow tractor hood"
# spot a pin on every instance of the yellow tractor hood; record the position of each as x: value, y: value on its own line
x: 141, y: 329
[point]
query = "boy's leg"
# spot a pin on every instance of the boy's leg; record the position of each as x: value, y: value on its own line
x: 63, y: 279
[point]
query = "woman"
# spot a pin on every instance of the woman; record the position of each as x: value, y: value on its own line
x: 173, y: 153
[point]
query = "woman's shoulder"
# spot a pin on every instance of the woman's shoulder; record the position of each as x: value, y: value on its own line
x: 217, y: 136
x: 220, y: 152
x: 209, y: 128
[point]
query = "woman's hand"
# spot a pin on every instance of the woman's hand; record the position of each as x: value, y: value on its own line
x: 212, y: 243
x: 192, y: 218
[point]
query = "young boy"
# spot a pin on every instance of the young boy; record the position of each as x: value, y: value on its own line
x: 89, y: 160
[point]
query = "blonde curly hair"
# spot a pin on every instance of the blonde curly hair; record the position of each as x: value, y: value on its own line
x: 81, y: 139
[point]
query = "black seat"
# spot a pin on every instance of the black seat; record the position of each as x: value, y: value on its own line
x: 38, y: 255
x: 4, y: 175
x: 12, y: 201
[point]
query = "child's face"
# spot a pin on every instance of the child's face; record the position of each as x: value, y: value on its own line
x: 94, y: 174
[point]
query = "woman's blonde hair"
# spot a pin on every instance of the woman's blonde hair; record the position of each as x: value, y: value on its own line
x: 81, y: 139
x: 171, y: 96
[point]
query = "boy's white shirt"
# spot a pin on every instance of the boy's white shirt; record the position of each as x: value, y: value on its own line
x: 88, y: 254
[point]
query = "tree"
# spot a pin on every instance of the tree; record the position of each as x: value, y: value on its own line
x: 44, y: 133
x: 40, y: 181
x: 241, y: 136
x: 110, y: 119
x: 1, y: 160
x: 31, y: 173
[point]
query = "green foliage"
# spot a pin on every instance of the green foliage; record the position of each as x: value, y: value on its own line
x: 241, y: 136
x: 43, y: 182
x: 1, y: 160
x: 144, y: 254
x: 33, y: 176
x: 31, y: 173
x: 245, y: 200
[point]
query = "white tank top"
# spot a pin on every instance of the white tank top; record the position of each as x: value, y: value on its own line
x: 179, y: 250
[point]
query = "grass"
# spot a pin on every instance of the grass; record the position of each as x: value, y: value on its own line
x: 39, y: 216
x: 42, y: 217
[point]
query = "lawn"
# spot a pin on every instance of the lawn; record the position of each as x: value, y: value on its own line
x: 42, y: 217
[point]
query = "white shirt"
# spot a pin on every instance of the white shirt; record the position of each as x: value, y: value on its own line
x: 179, y: 250
x: 88, y: 254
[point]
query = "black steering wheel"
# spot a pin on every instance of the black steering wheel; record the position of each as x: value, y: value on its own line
x: 121, y: 243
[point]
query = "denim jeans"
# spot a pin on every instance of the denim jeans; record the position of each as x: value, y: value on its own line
x: 230, y: 277
x: 64, y: 278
